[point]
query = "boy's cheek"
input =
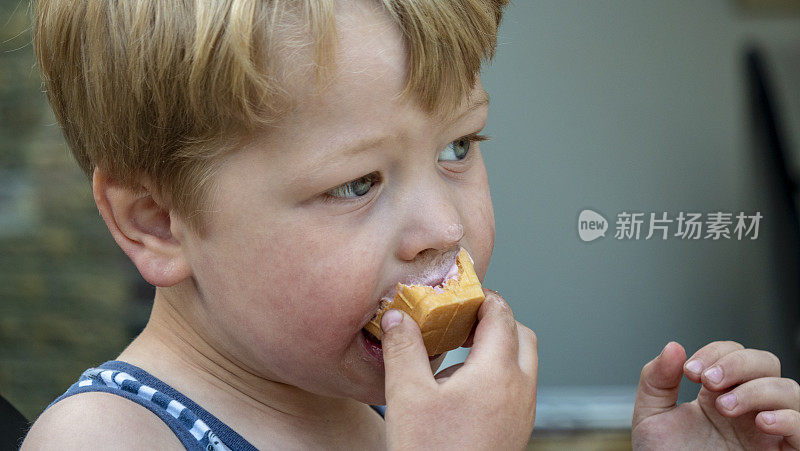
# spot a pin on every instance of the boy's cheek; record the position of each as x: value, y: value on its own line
x: 483, y: 247
x: 479, y: 218
x: 313, y: 296
x: 481, y: 229
x: 322, y: 290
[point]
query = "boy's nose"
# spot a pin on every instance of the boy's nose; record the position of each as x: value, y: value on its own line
x: 432, y: 222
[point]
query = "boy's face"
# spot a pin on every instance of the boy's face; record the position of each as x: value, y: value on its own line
x: 296, y: 260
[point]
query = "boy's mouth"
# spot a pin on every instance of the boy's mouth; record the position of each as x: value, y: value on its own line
x: 435, y: 281
x: 434, y: 277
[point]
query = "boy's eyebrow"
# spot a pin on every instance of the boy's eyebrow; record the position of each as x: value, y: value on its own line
x: 481, y: 99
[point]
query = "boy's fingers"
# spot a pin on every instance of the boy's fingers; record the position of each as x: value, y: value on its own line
x: 785, y: 422
x: 659, y: 383
x: 495, y: 335
x: 405, y: 359
x: 706, y: 356
x: 740, y: 366
x: 765, y: 393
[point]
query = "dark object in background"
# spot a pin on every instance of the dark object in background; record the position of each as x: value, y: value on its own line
x: 767, y: 123
x: 773, y: 154
x: 13, y: 426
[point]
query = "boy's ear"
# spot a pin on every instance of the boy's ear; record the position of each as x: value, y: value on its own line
x: 143, y: 229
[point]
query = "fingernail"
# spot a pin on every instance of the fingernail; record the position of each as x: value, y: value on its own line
x: 391, y: 319
x: 714, y: 374
x: 694, y: 366
x: 728, y: 401
x: 769, y: 417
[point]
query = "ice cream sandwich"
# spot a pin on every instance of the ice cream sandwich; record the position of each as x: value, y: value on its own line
x: 445, y: 313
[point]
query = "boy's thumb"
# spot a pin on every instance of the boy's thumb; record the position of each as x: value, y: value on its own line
x: 405, y: 359
x: 659, y: 383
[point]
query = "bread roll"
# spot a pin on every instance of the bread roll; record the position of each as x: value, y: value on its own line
x: 445, y: 314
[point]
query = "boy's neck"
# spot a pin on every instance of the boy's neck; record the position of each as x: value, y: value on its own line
x: 172, y: 350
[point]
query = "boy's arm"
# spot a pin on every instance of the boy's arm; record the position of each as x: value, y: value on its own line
x: 98, y: 420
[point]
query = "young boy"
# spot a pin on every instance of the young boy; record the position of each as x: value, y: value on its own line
x: 274, y: 169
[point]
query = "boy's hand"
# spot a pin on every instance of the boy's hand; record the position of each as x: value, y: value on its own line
x: 762, y: 414
x: 488, y: 402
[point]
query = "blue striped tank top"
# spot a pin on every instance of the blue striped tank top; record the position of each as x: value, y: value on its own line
x: 194, y: 426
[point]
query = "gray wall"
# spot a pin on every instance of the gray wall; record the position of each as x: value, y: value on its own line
x: 628, y: 106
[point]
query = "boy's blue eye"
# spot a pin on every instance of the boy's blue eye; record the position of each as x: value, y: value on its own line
x: 354, y: 188
x: 458, y: 149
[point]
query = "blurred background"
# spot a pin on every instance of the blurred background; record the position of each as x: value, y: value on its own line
x: 69, y: 297
x: 613, y: 105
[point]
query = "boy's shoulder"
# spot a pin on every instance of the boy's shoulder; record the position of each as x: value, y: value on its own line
x: 94, y: 420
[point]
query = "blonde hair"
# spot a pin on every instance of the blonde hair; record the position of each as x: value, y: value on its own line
x: 162, y: 90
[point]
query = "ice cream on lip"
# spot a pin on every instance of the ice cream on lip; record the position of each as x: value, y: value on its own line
x: 451, y: 274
